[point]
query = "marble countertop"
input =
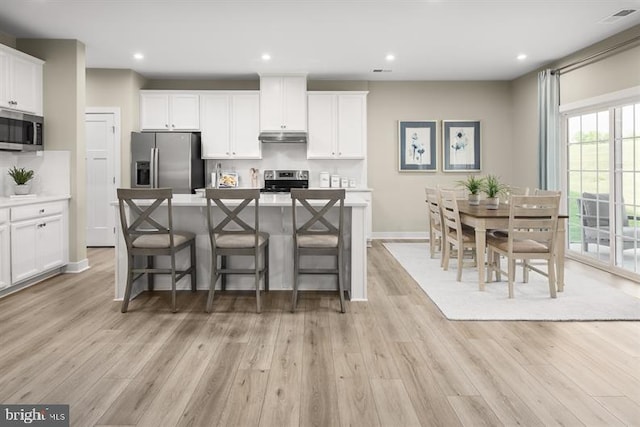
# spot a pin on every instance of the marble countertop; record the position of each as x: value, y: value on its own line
x: 9, y: 202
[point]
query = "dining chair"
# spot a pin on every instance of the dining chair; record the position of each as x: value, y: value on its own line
x: 454, y: 235
x: 232, y: 235
x: 147, y: 236
x: 533, y: 223
x: 434, y: 217
x: 318, y: 236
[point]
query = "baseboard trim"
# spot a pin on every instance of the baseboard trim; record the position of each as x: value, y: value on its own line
x: 77, y: 267
x: 409, y: 235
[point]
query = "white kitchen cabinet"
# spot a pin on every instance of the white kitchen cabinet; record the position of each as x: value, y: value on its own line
x: 337, y: 125
x: 230, y: 125
x: 283, y: 103
x: 39, y: 240
x: 173, y: 111
x: 5, y: 249
x: 21, y: 81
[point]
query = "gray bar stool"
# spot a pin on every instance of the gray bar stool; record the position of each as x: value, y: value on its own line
x: 148, y: 237
x: 318, y: 236
x: 231, y: 235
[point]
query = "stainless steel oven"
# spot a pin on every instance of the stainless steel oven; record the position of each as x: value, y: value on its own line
x: 20, y: 131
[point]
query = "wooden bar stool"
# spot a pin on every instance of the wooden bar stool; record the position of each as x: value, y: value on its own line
x: 231, y: 235
x: 148, y: 237
x: 318, y: 236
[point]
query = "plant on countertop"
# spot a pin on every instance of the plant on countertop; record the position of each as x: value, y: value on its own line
x: 492, y: 186
x: 20, y: 176
x: 473, y: 184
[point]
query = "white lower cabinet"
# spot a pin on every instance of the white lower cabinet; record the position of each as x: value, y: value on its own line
x: 38, y: 240
x: 5, y: 249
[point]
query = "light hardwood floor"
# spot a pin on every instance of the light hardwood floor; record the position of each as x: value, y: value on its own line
x: 392, y: 361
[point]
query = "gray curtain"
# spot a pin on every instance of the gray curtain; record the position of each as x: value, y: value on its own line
x: 549, y: 130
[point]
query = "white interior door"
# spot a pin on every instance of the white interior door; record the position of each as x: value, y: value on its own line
x: 101, y: 181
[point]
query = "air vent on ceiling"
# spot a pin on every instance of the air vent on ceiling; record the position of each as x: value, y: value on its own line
x: 380, y: 70
x: 618, y: 16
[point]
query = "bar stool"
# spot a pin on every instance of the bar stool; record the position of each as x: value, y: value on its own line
x: 318, y: 236
x: 231, y: 235
x: 148, y: 237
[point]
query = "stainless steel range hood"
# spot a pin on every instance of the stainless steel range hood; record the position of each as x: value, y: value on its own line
x: 288, y: 137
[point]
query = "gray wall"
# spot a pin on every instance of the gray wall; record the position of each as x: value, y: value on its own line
x: 64, y: 106
x: 118, y: 88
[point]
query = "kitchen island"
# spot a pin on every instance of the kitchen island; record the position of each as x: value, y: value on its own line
x: 189, y: 214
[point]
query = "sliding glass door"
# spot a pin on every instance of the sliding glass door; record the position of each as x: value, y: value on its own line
x: 603, y: 182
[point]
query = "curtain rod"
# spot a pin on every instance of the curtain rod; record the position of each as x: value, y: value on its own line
x: 596, y: 55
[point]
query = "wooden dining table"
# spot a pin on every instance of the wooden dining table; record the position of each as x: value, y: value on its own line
x: 483, y: 219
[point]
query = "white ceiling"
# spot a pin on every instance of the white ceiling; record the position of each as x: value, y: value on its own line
x: 329, y: 39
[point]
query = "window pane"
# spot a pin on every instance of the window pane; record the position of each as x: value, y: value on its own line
x: 575, y: 188
x: 574, y: 157
x: 589, y: 128
x: 603, y: 126
x: 603, y: 182
x: 589, y: 157
x: 628, y: 154
x: 603, y: 156
x: 574, y: 129
x: 637, y: 127
x: 589, y: 182
x: 627, y: 121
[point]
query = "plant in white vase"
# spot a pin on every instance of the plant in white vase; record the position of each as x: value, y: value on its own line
x: 493, y: 188
x: 474, y: 185
x: 21, y: 178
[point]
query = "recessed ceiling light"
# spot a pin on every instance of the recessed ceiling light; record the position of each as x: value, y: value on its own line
x: 138, y: 56
x: 266, y: 57
x: 522, y: 57
x: 390, y: 57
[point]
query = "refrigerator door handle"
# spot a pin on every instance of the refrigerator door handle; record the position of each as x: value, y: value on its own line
x: 154, y: 168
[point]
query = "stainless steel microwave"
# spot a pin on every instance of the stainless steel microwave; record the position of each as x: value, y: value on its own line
x: 20, y: 131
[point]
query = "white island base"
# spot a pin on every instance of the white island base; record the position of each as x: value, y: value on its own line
x: 189, y: 214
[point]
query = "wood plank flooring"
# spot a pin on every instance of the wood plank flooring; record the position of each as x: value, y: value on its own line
x: 392, y: 361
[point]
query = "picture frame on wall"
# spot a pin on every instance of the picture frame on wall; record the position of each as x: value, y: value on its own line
x: 461, y: 146
x: 417, y: 146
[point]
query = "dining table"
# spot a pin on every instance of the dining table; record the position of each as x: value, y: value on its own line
x: 481, y: 219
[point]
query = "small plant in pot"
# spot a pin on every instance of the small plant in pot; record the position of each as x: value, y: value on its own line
x: 474, y: 185
x: 493, y: 188
x: 21, y: 178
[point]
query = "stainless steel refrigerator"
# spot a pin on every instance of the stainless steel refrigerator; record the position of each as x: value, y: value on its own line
x: 166, y: 159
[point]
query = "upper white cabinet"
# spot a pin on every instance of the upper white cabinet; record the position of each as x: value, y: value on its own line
x: 20, y: 81
x: 283, y: 103
x: 163, y: 110
x: 230, y: 125
x: 5, y: 249
x: 337, y: 125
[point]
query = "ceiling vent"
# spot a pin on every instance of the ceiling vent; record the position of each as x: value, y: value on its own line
x: 618, y: 16
x: 380, y: 70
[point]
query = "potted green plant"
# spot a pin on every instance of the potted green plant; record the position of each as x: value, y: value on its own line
x: 493, y: 188
x: 473, y: 184
x: 21, y: 178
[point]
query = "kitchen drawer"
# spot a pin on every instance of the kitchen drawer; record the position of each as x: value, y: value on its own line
x: 35, y: 211
x: 4, y: 215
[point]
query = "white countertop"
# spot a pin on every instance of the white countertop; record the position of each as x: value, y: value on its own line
x: 266, y: 200
x: 9, y: 202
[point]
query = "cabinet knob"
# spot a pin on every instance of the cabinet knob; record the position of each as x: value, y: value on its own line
x: 166, y: 125
x: 333, y: 153
x: 340, y: 153
x: 234, y: 153
x: 173, y: 126
x: 227, y: 153
x: 41, y: 210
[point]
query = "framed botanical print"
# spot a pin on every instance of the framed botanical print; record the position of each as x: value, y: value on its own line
x: 461, y: 145
x: 417, y: 146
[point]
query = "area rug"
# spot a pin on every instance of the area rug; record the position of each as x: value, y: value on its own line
x: 583, y: 298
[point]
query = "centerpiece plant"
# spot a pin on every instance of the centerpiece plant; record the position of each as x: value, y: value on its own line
x: 493, y: 188
x: 474, y: 185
